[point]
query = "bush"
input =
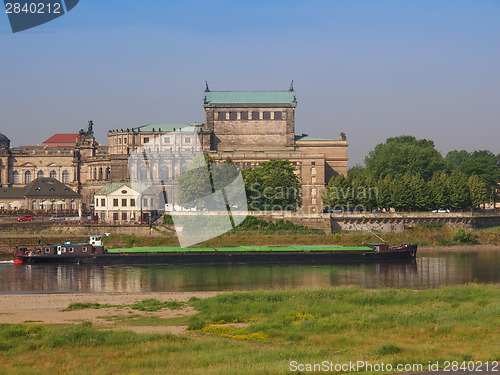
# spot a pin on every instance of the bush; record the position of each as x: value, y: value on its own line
x: 464, y: 237
x: 196, y: 323
x: 167, y: 219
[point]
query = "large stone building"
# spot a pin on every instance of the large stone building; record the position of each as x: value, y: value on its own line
x: 249, y: 127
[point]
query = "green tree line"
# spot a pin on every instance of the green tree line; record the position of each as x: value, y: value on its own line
x: 409, y: 174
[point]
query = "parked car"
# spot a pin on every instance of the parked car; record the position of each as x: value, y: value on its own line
x: 26, y: 218
x: 442, y: 210
x: 377, y: 211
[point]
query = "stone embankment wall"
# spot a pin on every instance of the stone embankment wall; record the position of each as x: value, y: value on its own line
x: 385, y: 222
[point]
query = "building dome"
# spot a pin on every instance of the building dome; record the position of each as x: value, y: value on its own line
x: 4, y: 142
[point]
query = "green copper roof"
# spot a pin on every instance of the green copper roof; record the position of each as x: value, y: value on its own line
x: 191, y: 127
x: 308, y: 138
x: 250, y: 97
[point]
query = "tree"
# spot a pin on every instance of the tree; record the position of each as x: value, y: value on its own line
x: 273, y: 184
x: 203, y: 178
x: 402, y: 193
x: 404, y: 154
x: 439, y: 187
x: 196, y: 182
x: 456, y: 158
x: 384, y: 194
x: 337, y: 192
x: 484, y: 166
x: 460, y: 197
x: 421, y: 196
x: 478, y: 190
x: 356, y: 171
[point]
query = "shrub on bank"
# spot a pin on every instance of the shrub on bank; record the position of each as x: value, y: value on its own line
x: 464, y: 237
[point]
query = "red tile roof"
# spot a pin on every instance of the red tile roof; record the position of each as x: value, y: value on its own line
x: 61, y: 139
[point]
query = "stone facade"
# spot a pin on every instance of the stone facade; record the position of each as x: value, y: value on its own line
x: 248, y: 127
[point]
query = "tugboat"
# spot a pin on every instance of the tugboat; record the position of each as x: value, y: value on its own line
x: 94, y: 252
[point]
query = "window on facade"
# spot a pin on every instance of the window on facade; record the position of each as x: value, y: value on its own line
x: 151, y: 202
x: 47, y: 250
x: 164, y: 175
x: 53, y: 174
x: 97, y: 202
x: 255, y: 115
x: 266, y: 115
x: 146, y: 139
x: 27, y: 177
x: 233, y: 115
x: 15, y: 177
x: 244, y: 115
x: 53, y: 206
x: 33, y: 205
x: 39, y: 174
x: 124, y: 216
x: 115, y: 216
x: 278, y: 115
x: 71, y: 249
x: 221, y: 116
x: 115, y: 202
x: 84, y: 249
x: 132, y: 203
x: 73, y: 205
x: 65, y: 177
x: 187, y: 140
x: 119, y: 141
x: 124, y: 203
x: 166, y: 140
x: 143, y: 174
x: 103, y: 202
x: 145, y: 202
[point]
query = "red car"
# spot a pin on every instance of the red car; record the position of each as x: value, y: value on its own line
x: 26, y: 218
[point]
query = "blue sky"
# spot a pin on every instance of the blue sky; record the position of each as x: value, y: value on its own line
x: 370, y: 68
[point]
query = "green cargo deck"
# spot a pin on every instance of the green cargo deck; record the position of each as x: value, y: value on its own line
x: 176, y: 249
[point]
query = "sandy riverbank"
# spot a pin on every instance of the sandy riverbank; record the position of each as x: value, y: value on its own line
x: 47, y: 308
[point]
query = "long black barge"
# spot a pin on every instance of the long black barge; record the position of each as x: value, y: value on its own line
x: 91, y: 254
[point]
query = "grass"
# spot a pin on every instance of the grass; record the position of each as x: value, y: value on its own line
x: 144, y: 305
x: 86, y: 305
x: 269, y: 329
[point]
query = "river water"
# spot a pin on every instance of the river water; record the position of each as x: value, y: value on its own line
x: 429, y: 270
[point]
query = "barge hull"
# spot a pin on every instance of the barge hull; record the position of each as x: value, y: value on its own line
x: 333, y: 257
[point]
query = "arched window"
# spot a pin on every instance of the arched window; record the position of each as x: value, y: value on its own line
x: 53, y: 174
x: 100, y: 174
x: 27, y: 177
x: 108, y: 173
x: 16, y: 178
x: 164, y: 175
x: 39, y: 174
x: 73, y: 205
x: 65, y: 177
x: 33, y: 205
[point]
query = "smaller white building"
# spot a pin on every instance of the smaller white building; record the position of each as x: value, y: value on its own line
x: 125, y: 203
